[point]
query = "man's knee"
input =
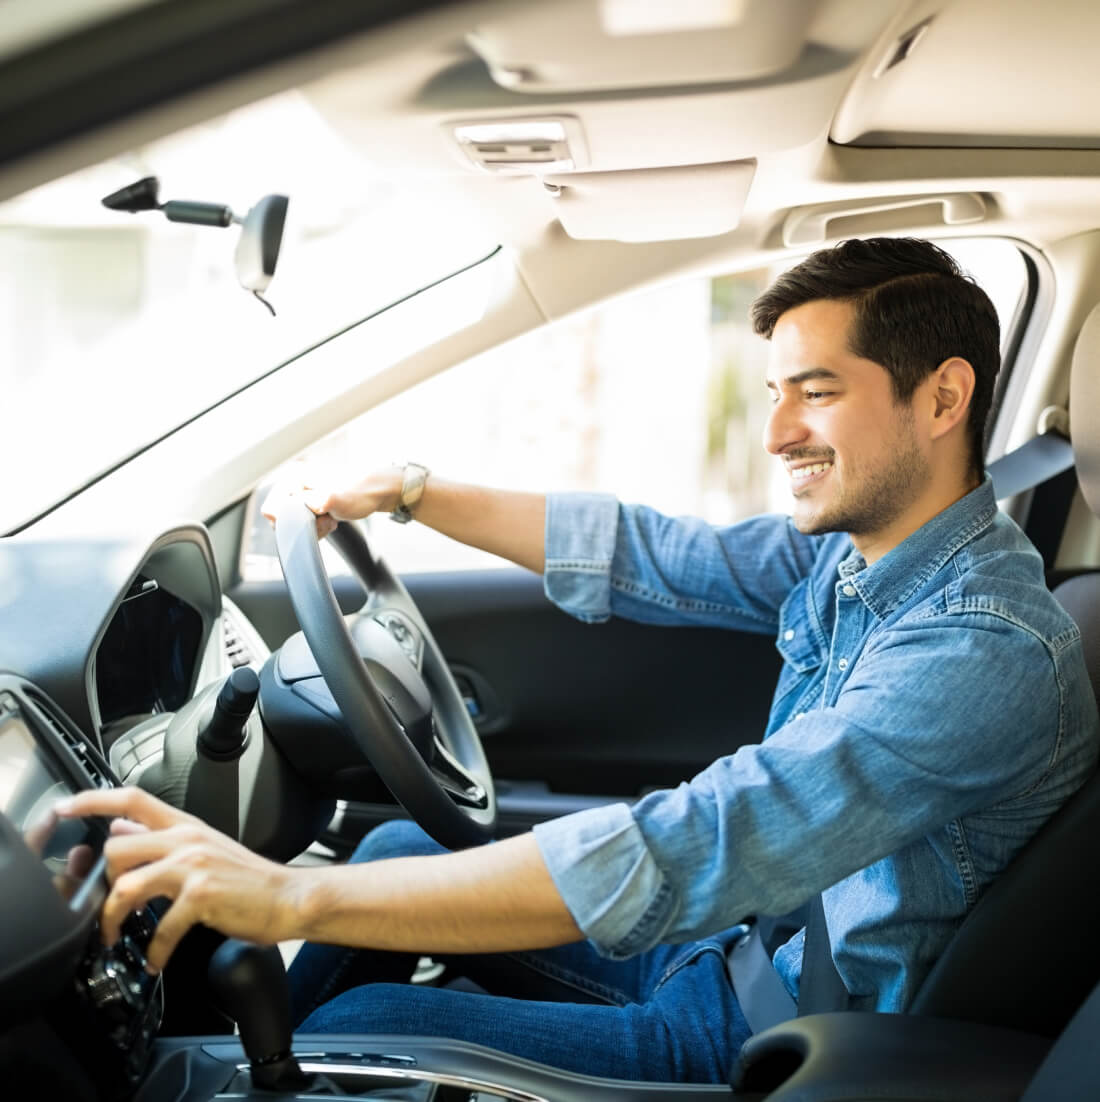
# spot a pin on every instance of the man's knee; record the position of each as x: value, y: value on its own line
x: 396, y: 838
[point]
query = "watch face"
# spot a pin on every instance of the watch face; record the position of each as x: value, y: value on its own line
x: 412, y: 489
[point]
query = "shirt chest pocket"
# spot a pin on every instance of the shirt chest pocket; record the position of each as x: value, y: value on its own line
x: 800, y: 646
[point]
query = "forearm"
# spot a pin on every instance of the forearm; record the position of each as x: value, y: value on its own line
x: 503, y: 522
x: 493, y: 898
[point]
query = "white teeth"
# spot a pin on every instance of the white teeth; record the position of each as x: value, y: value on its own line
x: 812, y: 469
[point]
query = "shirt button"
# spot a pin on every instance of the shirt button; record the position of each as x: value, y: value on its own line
x: 849, y: 591
x: 788, y: 635
x: 842, y: 664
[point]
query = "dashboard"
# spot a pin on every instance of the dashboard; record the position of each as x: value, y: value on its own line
x: 111, y: 627
x: 61, y: 989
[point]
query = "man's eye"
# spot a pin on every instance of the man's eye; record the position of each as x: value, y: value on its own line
x: 814, y: 394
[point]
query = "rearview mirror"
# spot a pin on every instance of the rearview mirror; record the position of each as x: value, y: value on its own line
x: 258, y: 247
x: 257, y: 250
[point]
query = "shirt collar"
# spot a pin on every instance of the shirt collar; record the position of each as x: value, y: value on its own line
x: 895, y: 577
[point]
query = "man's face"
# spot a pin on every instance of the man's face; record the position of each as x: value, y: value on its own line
x: 852, y: 453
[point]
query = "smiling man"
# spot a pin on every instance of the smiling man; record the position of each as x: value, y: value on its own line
x: 933, y: 710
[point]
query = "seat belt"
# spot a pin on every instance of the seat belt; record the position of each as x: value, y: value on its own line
x: 1045, y: 465
x: 762, y: 995
x: 1037, y: 461
x: 820, y: 990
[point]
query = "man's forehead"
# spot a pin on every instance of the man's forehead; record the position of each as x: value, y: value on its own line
x: 811, y: 342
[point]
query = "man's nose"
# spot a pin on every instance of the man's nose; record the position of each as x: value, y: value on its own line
x: 784, y: 427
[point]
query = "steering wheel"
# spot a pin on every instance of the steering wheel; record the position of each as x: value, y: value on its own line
x: 391, y: 683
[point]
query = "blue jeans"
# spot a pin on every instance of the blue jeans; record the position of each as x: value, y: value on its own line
x: 666, y: 1015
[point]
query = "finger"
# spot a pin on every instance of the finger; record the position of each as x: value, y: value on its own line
x: 79, y: 861
x: 171, y: 928
x: 127, y: 826
x: 129, y: 803
x: 132, y: 890
x: 129, y: 850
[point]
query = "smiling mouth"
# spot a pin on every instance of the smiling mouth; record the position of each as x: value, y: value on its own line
x: 809, y: 472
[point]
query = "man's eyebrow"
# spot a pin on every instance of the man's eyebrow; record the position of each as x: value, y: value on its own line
x: 804, y: 377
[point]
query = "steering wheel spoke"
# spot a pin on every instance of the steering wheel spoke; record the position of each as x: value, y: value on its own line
x: 401, y: 676
x: 461, y: 785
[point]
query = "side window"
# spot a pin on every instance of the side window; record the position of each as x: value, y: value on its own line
x: 658, y: 397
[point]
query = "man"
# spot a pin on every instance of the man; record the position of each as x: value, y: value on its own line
x: 932, y: 712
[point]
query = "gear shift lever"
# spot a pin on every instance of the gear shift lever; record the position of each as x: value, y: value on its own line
x: 249, y: 984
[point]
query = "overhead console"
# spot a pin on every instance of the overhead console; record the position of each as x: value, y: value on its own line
x: 587, y: 98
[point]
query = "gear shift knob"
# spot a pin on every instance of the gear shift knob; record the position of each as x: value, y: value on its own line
x: 249, y: 984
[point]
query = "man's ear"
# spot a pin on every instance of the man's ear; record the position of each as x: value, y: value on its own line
x: 951, y: 389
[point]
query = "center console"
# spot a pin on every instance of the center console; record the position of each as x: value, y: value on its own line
x: 249, y: 984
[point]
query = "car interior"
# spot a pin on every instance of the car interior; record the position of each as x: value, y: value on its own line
x: 464, y: 184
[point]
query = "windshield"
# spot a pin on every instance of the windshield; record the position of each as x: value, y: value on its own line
x: 119, y: 327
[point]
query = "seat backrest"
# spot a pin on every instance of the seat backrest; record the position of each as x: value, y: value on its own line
x: 1028, y: 954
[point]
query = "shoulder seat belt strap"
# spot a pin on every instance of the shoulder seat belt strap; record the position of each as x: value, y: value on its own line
x: 1040, y: 459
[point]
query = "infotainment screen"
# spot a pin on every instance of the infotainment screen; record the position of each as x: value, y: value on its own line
x: 30, y: 784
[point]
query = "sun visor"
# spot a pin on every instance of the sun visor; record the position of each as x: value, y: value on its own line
x: 587, y: 45
x: 653, y: 204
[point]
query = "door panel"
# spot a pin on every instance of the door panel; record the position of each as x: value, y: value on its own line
x: 601, y: 709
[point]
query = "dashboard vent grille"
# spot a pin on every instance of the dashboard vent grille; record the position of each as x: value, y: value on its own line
x: 236, y: 649
x: 85, y: 754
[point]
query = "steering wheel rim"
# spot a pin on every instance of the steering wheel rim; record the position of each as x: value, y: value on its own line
x: 458, y: 765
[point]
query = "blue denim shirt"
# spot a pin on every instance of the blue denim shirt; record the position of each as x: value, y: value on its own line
x: 933, y: 710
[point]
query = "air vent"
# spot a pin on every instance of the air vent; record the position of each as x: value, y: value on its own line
x: 236, y: 649
x: 90, y: 761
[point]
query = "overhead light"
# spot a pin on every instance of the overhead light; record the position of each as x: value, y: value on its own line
x: 523, y: 146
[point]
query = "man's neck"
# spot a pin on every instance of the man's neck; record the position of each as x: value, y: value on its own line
x: 874, y: 545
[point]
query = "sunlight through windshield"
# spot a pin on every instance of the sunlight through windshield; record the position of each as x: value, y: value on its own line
x: 118, y: 327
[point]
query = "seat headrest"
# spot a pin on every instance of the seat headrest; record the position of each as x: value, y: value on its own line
x: 1084, y: 408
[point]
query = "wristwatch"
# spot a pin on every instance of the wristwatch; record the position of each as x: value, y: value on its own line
x: 414, y: 476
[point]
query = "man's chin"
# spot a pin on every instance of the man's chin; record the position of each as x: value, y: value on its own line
x: 811, y: 523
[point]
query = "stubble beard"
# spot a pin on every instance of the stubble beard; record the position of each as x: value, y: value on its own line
x: 875, y: 499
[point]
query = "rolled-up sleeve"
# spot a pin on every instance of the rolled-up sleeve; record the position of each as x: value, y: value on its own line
x: 580, y: 545
x: 606, y: 559
x: 608, y: 878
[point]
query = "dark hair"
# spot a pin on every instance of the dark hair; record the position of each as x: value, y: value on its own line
x: 914, y: 308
